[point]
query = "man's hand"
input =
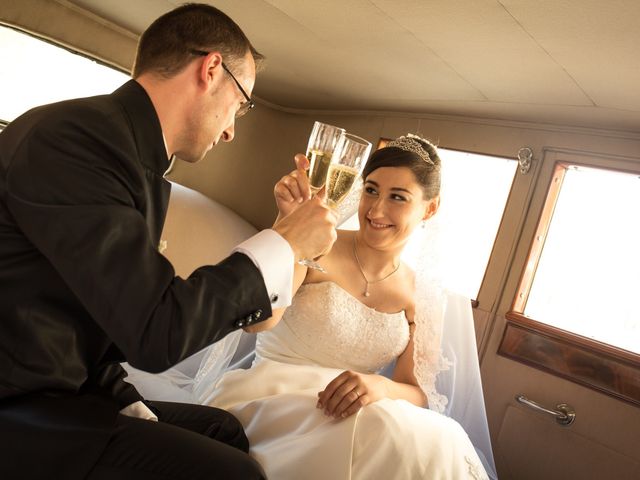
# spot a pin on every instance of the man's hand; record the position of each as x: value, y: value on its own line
x: 310, y: 228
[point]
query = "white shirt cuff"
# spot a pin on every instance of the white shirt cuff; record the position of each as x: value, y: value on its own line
x: 273, y: 256
x: 139, y: 410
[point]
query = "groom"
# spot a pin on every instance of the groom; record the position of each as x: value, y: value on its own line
x: 83, y: 287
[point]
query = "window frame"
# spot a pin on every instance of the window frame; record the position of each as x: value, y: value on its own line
x: 63, y: 46
x: 43, y: 38
x: 596, y: 365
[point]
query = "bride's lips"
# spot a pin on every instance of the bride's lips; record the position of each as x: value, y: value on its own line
x: 378, y: 226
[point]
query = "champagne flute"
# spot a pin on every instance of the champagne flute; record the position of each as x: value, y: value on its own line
x: 349, y: 158
x: 320, y: 149
x: 322, y: 143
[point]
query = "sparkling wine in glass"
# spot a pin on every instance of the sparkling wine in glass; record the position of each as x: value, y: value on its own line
x: 349, y: 158
x: 320, y: 150
x: 322, y: 144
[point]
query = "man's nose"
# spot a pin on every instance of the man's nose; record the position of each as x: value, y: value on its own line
x: 229, y: 133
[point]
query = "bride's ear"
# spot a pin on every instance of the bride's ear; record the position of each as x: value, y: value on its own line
x: 432, y: 207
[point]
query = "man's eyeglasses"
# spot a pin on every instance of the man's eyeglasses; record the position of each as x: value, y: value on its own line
x: 244, y: 106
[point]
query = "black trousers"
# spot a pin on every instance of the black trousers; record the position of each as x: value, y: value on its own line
x: 188, y: 442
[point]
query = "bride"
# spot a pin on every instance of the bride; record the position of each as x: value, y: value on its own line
x: 313, y: 403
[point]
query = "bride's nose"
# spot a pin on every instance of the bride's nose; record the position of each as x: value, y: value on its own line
x: 376, y: 210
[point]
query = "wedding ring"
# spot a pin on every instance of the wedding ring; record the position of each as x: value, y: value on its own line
x: 357, y: 393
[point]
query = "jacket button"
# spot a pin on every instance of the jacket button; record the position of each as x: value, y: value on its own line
x: 240, y: 323
x: 249, y: 319
x: 257, y: 315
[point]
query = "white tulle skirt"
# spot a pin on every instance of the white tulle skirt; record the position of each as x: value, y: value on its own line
x: 292, y: 439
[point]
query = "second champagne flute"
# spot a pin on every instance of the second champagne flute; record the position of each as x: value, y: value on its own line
x: 320, y: 149
x: 350, y: 156
x: 322, y: 143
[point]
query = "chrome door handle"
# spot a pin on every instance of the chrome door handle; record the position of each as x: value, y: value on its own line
x: 564, y: 414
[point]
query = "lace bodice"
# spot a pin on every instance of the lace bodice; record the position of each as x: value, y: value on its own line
x: 327, y: 326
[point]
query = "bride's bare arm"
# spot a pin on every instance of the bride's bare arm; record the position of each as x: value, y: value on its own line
x: 404, y: 377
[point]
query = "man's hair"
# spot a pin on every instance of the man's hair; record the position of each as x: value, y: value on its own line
x: 166, y: 47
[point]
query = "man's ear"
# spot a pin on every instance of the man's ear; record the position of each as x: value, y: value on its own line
x: 432, y: 207
x: 210, y: 68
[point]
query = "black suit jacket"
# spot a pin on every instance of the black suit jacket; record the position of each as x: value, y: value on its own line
x: 82, y: 284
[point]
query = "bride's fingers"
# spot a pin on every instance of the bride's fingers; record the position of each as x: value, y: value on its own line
x: 345, y: 390
x: 303, y: 183
x: 331, y: 387
x: 290, y: 189
x: 353, y: 401
x: 282, y: 192
x: 291, y: 183
x: 362, y: 401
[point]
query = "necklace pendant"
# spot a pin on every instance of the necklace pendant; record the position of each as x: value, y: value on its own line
x: 366, y: 291
x: 367, y: 294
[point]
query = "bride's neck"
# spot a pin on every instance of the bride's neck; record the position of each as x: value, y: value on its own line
x: 376, y: 261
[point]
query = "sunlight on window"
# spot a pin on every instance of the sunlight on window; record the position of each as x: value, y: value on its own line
x: 588, y: 276
x: 34, y: 72
x: 473, y: 196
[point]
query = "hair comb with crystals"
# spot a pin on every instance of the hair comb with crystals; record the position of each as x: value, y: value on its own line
x: 408, y: 143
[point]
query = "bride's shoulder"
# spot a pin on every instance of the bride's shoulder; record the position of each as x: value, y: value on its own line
x: 409, y: 275
x: 407, y: 284
x: 345, y: 236
x: 343, y: 245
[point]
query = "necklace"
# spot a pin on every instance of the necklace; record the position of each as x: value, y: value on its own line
x: 370, y: 282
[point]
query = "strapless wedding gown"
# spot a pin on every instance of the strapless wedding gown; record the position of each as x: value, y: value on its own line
x: 323, y: 333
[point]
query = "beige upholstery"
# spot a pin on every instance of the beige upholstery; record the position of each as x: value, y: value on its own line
x: 199, y: 231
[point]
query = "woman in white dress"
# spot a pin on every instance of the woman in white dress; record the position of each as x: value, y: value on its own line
x: 313, y: 404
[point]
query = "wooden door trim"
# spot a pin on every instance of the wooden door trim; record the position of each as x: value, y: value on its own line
x: 596, y: 365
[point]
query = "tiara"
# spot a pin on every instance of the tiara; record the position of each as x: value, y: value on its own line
x: 409, y: 143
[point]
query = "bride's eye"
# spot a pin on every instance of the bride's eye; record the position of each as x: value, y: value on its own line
x: 397, y: 197
x: 370, y: 190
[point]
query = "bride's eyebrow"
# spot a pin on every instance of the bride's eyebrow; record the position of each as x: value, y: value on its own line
x: 400, y: 189
x: 397, y: 189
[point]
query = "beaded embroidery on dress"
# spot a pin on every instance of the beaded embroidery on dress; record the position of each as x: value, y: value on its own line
x: 329, y: 327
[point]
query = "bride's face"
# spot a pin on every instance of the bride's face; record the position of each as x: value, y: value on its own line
x: 391, y: 206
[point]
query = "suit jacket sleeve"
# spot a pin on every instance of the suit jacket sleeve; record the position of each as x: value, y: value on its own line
x: 76, y: 188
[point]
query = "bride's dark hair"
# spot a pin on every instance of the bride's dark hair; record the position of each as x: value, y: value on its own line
x: 415, y: 153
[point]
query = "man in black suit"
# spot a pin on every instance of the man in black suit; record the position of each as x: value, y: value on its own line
x: 83, y: 286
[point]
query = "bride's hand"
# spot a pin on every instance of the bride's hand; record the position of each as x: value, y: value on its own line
x: 349, y: 392
x: 293, y: 189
